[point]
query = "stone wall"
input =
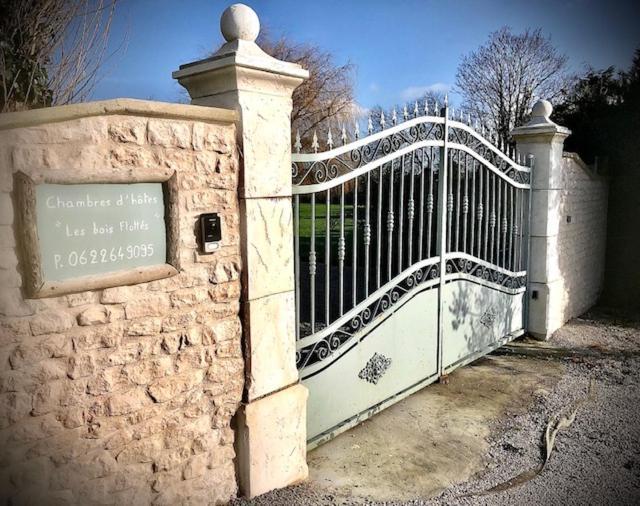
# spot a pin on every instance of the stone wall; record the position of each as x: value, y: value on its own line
x: 582, y: 234
x: 124, y: 395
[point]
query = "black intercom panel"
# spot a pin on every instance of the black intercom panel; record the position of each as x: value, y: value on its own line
x: 210, y: 232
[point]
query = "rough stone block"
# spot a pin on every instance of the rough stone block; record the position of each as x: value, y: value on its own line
x: 145, y: 327
x: 127, y: 402
x: 220, y: 171
x: 81, y: 299
x: 94, y: 315
x: 147, y: 304
x: 271, y: 441
x: 169, y: 133
x: 220, y: 331
x: 118, y: 295
x: 13, y: 407
x: 268, y: 257
x: 266, y: 151
x: 208, y: 137
x: 145, y: 450
x: 166, y: 388
x: 269, y: 329
x: 51, y: 321
x: 129, y: 130
x: 226, y: 269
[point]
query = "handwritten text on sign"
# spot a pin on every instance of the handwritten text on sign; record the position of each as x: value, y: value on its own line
x: 87, y: 229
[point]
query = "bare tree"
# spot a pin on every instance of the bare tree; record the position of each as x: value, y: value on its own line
x: 327, y: 97
x: 501, y: 79
x: 51, y: 51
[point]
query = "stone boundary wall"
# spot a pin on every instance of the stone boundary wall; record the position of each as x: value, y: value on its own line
x: 124, y: 395
x: 582, y: 234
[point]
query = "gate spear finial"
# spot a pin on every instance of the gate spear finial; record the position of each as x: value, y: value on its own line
x: 298, y: 144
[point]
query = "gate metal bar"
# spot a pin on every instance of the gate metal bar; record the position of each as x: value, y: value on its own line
x: 443, y: 235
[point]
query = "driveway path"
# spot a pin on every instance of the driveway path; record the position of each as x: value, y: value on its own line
x: 448, y: 442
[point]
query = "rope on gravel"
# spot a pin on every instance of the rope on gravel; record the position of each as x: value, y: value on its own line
x: 555, y: 424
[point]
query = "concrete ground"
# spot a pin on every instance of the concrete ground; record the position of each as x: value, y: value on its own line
x: 448, y: 444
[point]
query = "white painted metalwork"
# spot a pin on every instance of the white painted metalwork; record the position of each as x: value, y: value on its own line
x: 426, y: 209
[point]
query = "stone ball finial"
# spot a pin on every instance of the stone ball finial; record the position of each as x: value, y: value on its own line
x: 541, y: 109
x: 239, y: 21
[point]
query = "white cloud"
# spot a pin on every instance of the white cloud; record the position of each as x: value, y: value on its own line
x: 415, y: 92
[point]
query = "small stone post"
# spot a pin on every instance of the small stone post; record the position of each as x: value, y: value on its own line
x: 271, y: 424
x: 542, y: 140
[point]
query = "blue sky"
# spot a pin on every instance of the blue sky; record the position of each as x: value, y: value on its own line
x: 399, y: 47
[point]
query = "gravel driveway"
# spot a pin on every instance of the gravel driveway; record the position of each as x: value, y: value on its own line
x: 596, y: 460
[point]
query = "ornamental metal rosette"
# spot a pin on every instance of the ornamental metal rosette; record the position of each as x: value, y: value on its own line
x: 488, y: 318
x: 376, y: 367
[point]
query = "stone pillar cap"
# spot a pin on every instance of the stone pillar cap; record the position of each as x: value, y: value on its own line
x: 240, y: 26
x: 540, y: 122
x: 239, y: 21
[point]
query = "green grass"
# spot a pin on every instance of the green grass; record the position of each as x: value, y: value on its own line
x: 321, y: 230
x: 321, y: 222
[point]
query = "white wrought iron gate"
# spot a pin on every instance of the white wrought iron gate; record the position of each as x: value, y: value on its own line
x: 410, y: 249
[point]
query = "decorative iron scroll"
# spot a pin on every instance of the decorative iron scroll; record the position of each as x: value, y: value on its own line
x: 320, y: 171
x: 375, y: 369
x: 488, y: 318
x: 338, y: 338
x: 465, y: 266
x: 460, y: 136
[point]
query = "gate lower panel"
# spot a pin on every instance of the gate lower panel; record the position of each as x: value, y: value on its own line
x: 399, y: 352
x: 477, y: 319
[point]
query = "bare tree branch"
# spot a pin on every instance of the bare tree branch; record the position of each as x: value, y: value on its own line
x: 327, y: 97
x: 52, y: 50
x: 501, y: 79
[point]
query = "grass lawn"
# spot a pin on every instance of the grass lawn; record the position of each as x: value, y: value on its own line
x: 321, y: 215
x: 320, y: 229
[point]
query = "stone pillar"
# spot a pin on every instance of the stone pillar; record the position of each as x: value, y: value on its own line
x: 271, y: 432
x: 542, y: 140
